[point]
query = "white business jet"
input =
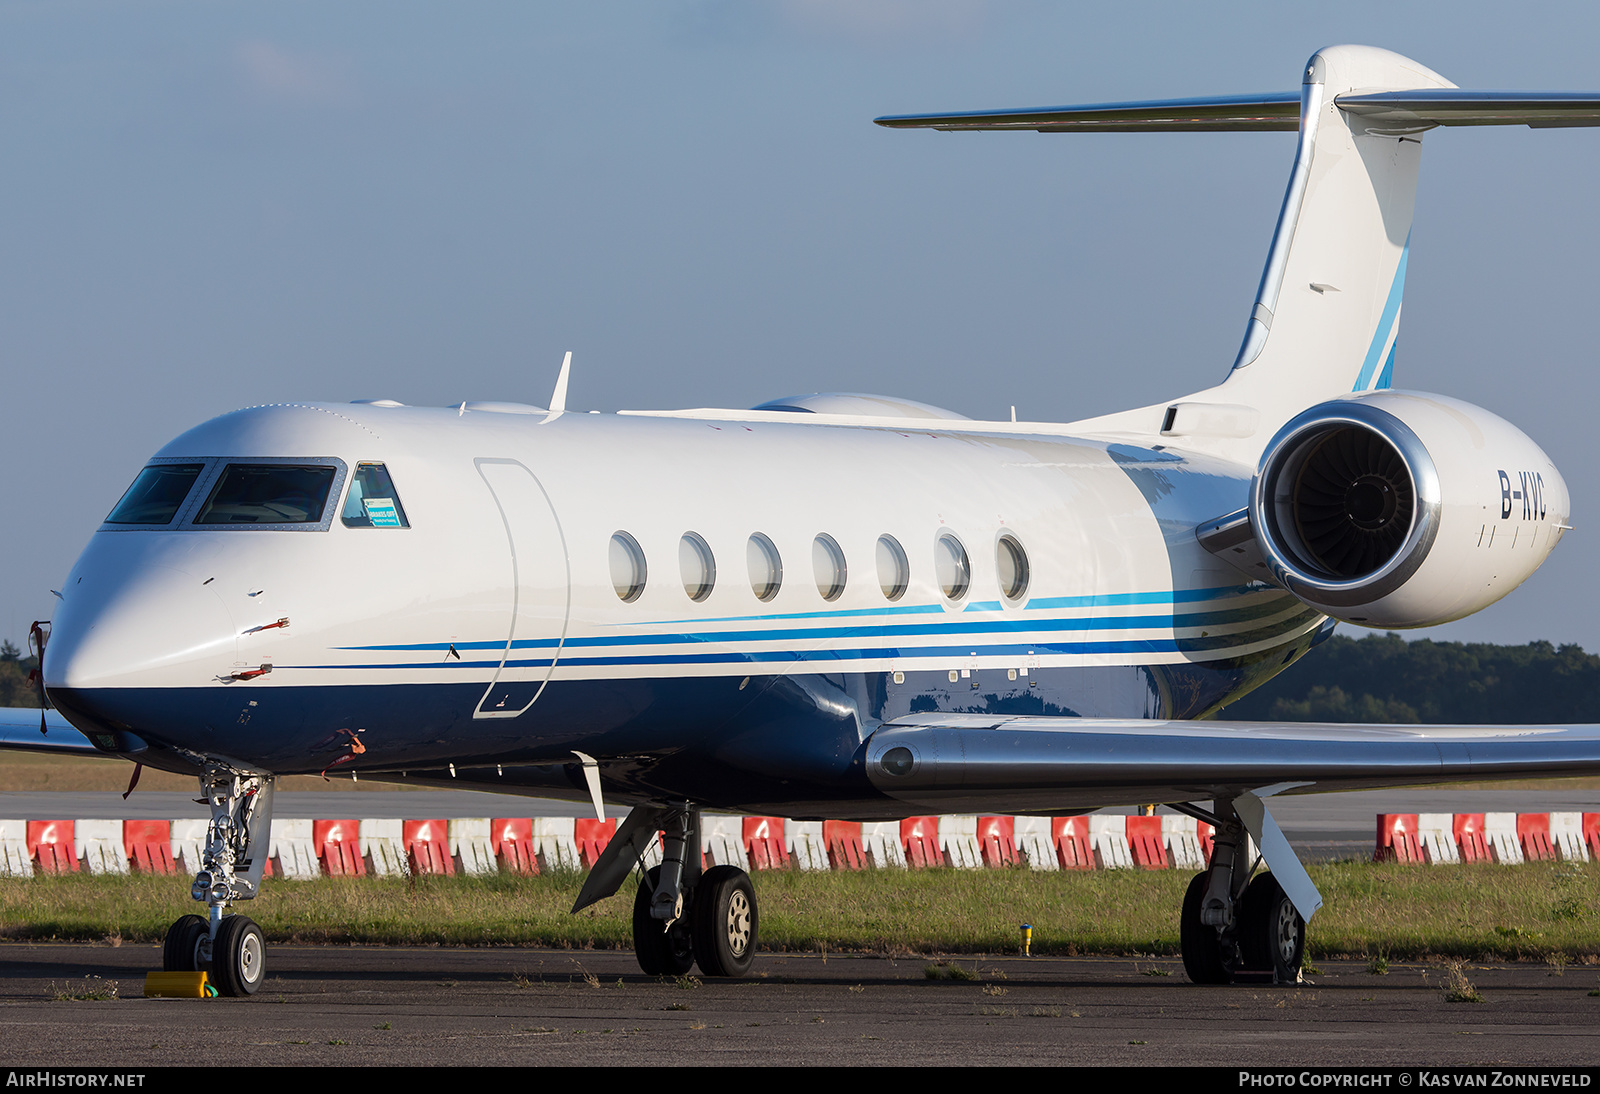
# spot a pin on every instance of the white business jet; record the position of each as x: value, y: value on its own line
x: 843, y: 606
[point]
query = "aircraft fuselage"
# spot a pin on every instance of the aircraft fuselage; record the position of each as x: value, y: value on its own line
x: 491, y: 633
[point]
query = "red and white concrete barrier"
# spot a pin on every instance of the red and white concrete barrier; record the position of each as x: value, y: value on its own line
x: 14, y: 858
x: 50, y: 847
x: 807, y: 848
x: 427, y: 844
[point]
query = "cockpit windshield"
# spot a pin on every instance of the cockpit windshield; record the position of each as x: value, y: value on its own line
x: 157, y: 494
x: 276, y: 493
x: 372, y: 501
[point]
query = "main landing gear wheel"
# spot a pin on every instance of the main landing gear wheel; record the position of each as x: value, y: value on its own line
x: 238, y: 957
x: 725, y: 922
x: 1271, y: 933
x: 180, y: 951
x: 1203, y: 955
x: 662, y: 950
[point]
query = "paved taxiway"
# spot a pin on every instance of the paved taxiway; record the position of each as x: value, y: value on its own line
x: 411, y: 1007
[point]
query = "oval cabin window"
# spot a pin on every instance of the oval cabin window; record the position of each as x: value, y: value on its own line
x: 628, y: 570
x: 827, y: 560
x: 698, y: 566
x: 894, y: 571
x: 1011, y: 566
x: 951, y: 567
x: 766, y: 567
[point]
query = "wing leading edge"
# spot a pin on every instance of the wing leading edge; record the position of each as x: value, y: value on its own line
x: 19, y: 732
x: 965, y: 762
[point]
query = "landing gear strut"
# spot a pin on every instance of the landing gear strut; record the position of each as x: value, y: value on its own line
x: 228, y: 947
x: 682, y: 917
x: 1235, y: 928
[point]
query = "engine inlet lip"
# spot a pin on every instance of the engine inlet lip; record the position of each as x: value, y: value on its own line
x: 1270, y: 501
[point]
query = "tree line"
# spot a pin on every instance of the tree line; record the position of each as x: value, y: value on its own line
x: 1384, y: 678
x: 15, y: 691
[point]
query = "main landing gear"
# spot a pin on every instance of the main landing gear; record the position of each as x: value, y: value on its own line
x: 1233, y: 928
x: 228, y: 947
x: 683, y: 917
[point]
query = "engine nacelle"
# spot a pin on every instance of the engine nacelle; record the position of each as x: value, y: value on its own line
x: 1403, y: 509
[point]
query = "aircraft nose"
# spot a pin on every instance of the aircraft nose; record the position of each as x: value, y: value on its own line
x: 127, y: 626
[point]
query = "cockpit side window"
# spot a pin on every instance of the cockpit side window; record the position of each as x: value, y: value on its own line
x: 278, y: 493
x: 372, y: 501
x: 157, y: 494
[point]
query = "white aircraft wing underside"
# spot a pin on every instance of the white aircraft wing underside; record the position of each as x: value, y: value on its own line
x: 959, y: 762
x: 20, y: 732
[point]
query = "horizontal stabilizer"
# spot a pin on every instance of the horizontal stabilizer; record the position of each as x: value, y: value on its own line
x: 1228, y: 113
x: 1408, y: 111
x: 1460, y: 106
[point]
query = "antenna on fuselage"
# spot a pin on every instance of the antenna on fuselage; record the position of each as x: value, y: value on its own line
x: 558, y: 398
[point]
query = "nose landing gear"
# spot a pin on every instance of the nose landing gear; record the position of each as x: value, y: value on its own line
x: 229, y: 947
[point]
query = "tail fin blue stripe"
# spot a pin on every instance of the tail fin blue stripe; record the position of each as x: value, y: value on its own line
x: 1391, y: 309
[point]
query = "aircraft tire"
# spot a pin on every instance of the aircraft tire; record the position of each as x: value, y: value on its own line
x: 238, y: 957
x: 660, y: 952
x: 1271, y: 933
x: 725, y: 922
x: 183, y: 938
x: 1202, y: 949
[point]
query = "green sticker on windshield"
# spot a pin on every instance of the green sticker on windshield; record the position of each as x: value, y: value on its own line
x: 381, y: 512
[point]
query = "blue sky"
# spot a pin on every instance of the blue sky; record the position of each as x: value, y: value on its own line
x: 208, y: 205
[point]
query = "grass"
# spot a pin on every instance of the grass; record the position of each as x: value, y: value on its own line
x: 1458, y: 989
x: 92, y: 989
x: 1383, y: 913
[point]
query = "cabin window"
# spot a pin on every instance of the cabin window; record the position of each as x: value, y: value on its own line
x: 372, y: 501
x: 697, y: 565
x: 275, y: 493
x: 1011, y: 566
x: 894, y: 572
x: 157, y: 494
x: 951, y: 567
x: 766, y: 567
x: 628, y: 570
x: 827, y: 563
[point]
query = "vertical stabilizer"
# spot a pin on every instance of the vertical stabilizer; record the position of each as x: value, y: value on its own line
x: 1327, y: 312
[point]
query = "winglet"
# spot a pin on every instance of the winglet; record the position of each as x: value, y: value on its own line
x: 558, y: 398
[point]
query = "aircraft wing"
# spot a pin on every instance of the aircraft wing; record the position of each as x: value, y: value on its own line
x: 19, y: 732
x: 969, y: 762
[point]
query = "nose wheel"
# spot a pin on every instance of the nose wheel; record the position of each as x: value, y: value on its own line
x: 181, y: 951
x: 236, y: 958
